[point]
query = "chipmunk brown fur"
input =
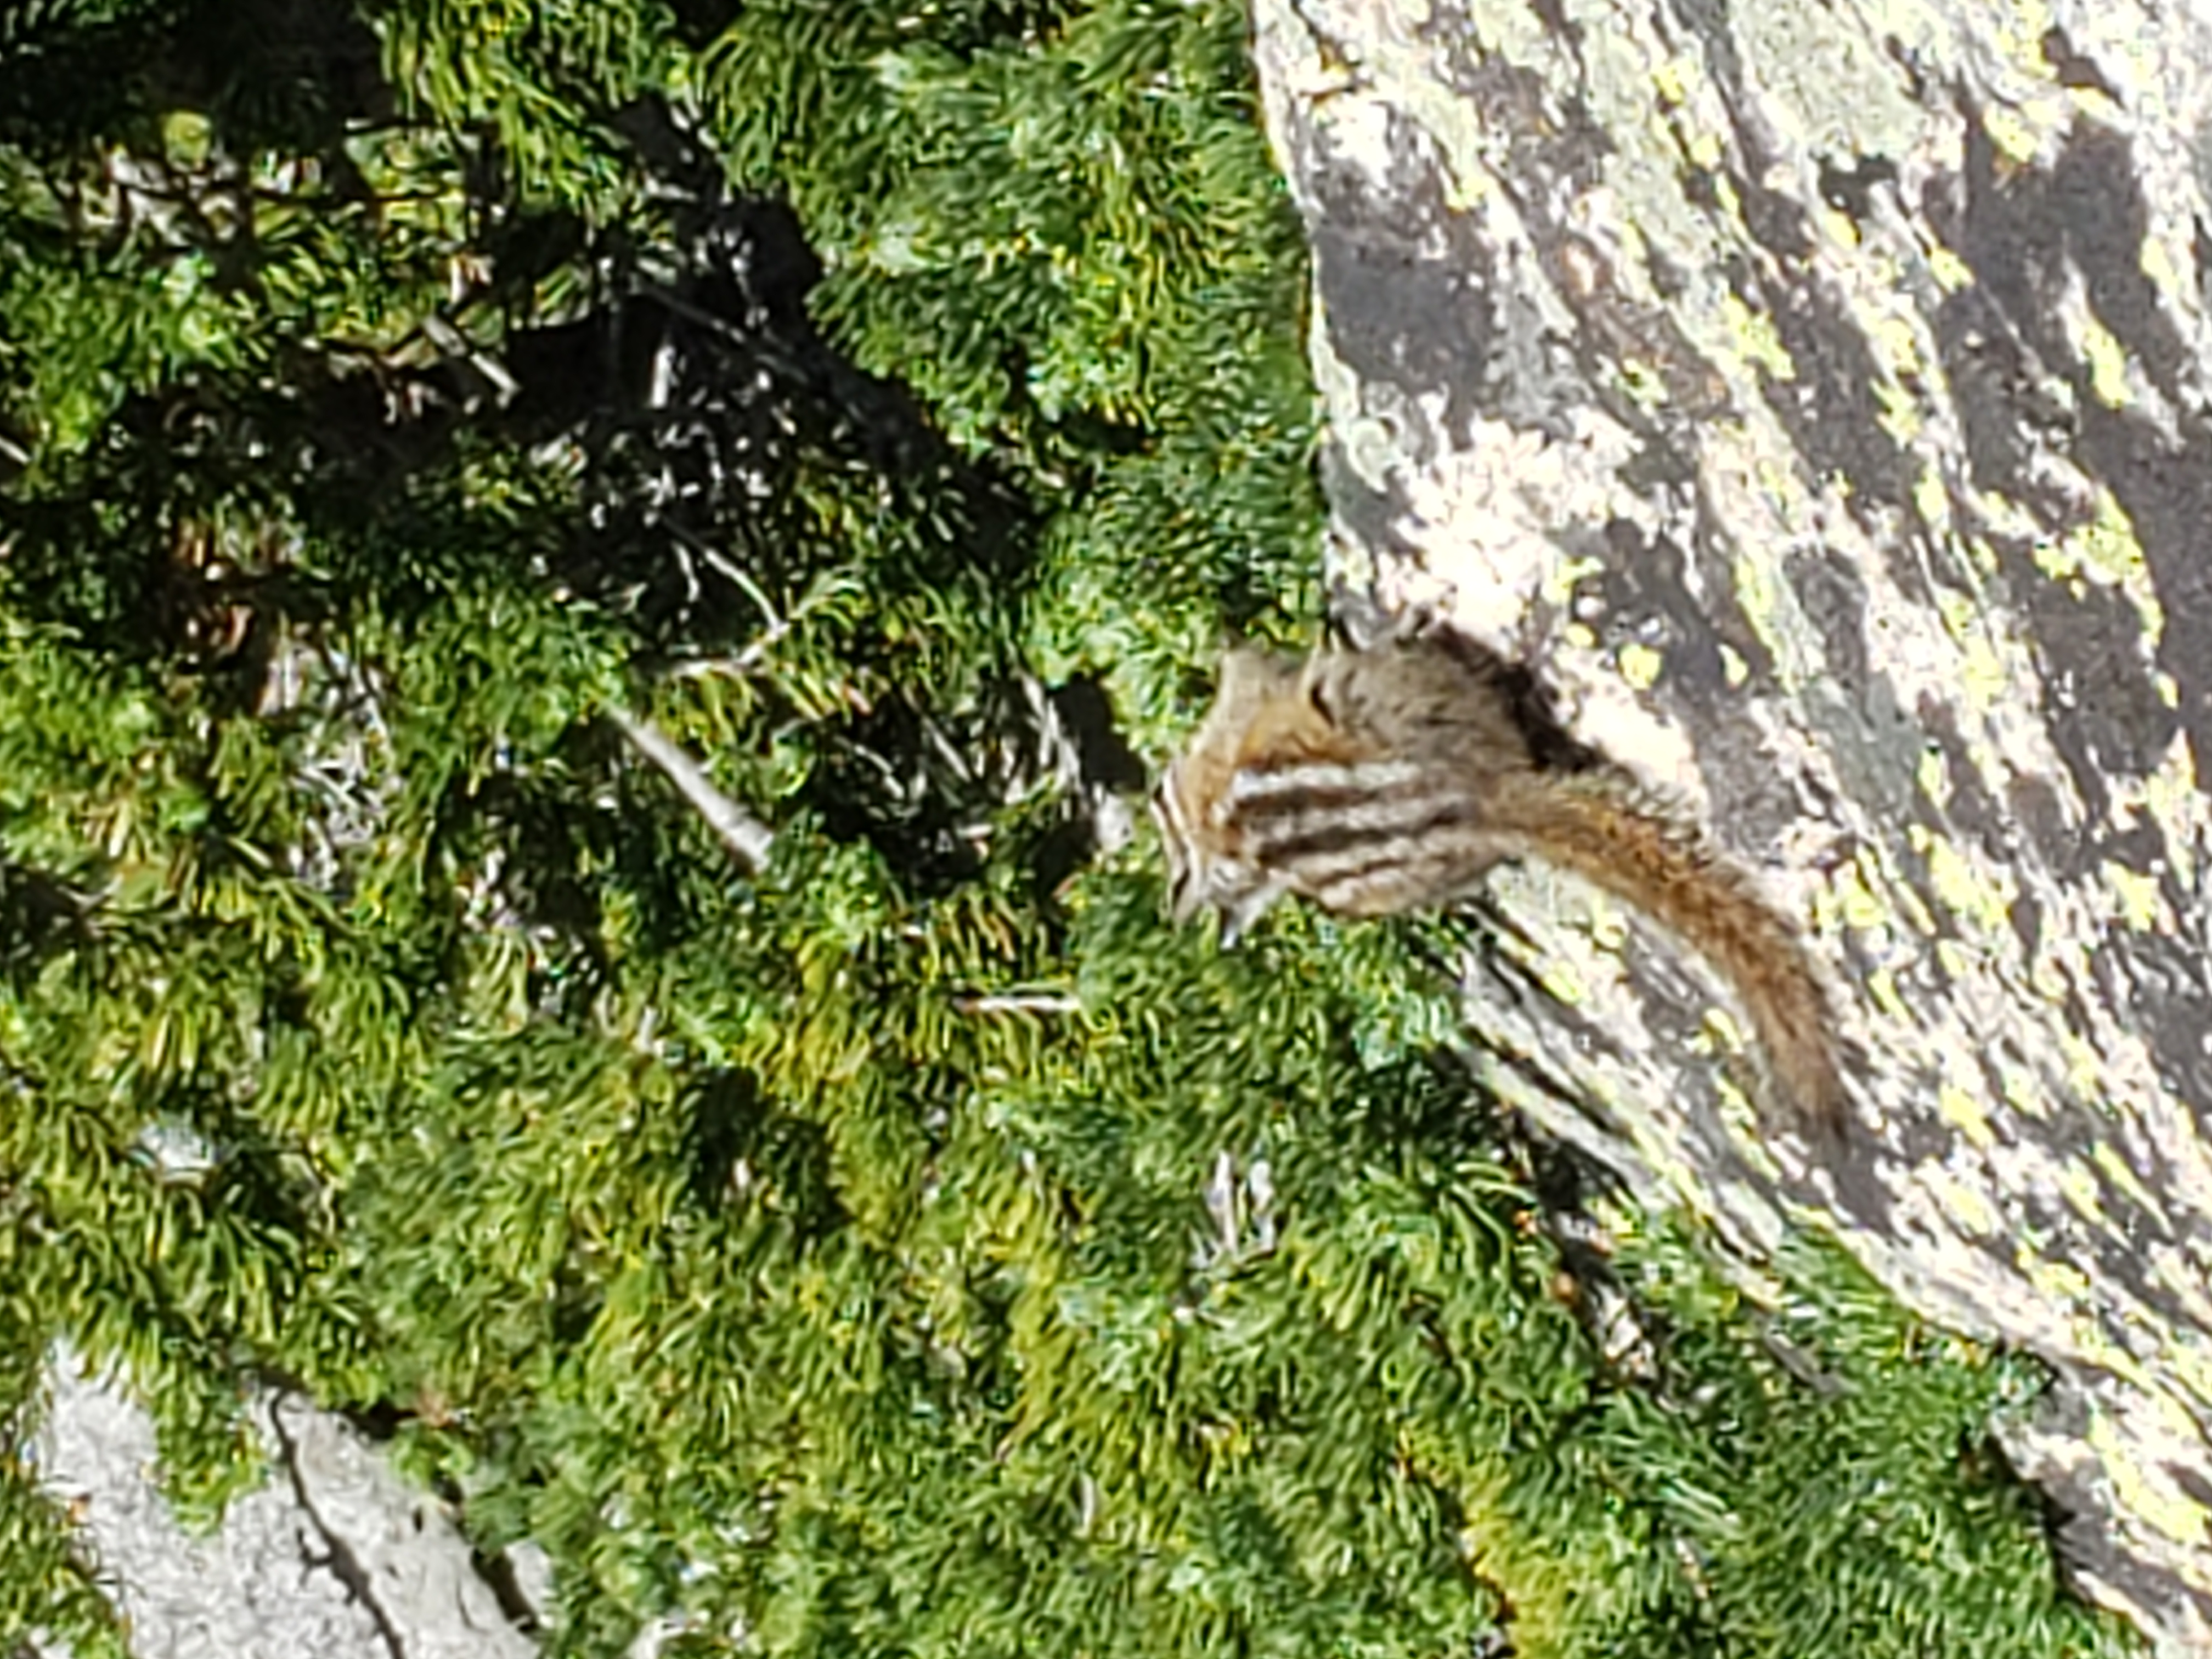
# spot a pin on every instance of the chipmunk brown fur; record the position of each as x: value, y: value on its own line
x: 1382, y: 780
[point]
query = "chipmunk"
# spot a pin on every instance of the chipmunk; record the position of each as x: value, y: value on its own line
x: 1383, y: 780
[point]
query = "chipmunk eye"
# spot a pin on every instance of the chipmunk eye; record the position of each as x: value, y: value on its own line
x: 1318, y: 698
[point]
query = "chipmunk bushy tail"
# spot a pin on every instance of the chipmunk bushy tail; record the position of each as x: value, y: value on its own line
x: 1599, y: 826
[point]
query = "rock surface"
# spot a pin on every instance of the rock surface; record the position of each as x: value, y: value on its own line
x: 1817, y: 392
x: 335, y: 1556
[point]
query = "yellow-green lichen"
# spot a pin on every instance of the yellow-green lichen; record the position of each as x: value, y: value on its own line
x: 1909, y: 905
x: 2021, y: 1090
x: 2085, y: 1067
x: 2020, y: 34
x: 2161, y: 1503
x: 1644, y: 383
x: 1759, y: 595
x: 1672, y: 78
x: 1957, y: 610
x: 1559, y: 579
x: 1757, y: 339
x: 1965, y: 1203
x: 2156, y: 263
x: 1965, y: 893
x: 1901, y: 417
x: 2108, y: 362
x: 1931, y: 498
x: 2094, y: 1343
x: 1952, y: 274
x: 1639, y: 664
x: 2016, y: 139
x: 1740, y: 1113
x: 1855, y: 900
x: 2192, y: 1366
x: 1881, y: 986
x: 2083, y: 1195
x: 1563, y: 984
x: 2176, y: 1272
x: 2107, y: 551
x: 1983, y: 675
x: 2106, y: 1156
x: 2058, y: 1283
x: 1964, y: 1113
x: 2135, y: 896
x: 1958, y: 962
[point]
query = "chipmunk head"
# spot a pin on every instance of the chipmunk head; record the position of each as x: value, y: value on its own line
x: 1204, y: 872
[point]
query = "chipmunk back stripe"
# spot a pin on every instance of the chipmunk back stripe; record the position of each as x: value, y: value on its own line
x: 1250, y: 785
x: 1375, y: 829
x: 1358, y: 879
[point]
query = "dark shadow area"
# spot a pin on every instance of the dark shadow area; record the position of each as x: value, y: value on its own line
x: 740, y: 1148
x: 687, y: 445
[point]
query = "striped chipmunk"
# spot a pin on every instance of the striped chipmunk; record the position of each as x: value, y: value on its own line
x: 1379, y: 781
